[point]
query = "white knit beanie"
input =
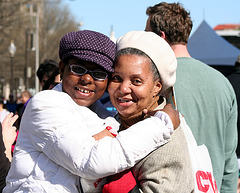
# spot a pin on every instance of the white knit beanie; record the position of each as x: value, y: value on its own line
x: 157, y: 49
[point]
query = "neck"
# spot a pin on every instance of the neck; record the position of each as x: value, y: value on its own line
x: 180, y: 50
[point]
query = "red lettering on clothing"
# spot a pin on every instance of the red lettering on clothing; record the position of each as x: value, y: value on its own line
x: 205, y: 181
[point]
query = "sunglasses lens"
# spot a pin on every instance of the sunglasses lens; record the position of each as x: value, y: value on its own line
x: 99, y: 75
x: 78, y: 69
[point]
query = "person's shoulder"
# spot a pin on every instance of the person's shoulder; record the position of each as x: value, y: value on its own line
x: 201, y: 69
x: 45, y: 93
x: 50, y: 97
x: 195, y: 63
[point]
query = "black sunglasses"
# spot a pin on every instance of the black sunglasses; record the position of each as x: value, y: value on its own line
x: 96, y: 74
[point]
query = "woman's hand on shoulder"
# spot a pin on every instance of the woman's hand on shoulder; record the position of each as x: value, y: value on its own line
x: 168, y: 109
x: 106, y: 132
x: 173, y: 114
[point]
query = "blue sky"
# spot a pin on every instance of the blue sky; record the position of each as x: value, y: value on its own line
x: 128, y: 15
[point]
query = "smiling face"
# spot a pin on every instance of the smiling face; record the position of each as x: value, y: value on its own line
x: 84, y: 90
x: 132, y: 87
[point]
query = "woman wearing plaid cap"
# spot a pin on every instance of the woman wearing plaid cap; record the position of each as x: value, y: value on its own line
x: 55, y: 144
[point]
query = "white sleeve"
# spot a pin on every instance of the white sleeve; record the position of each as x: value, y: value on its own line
x: 65, y: 138
x: 112, y: 155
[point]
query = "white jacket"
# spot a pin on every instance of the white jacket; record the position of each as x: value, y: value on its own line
x: 55, y: 145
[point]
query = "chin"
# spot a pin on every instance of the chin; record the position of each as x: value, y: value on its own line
x: 81, y: 103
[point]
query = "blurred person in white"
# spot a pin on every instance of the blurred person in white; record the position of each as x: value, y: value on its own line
x: 3, y: 109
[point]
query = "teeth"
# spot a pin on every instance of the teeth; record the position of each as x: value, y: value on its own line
x: 83, y: 90
x: 123, y: 100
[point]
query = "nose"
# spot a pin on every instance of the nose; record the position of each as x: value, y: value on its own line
x: 86, y: 79
x: 125, y: 87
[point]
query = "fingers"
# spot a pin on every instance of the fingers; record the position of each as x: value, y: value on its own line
x: 13, y: 119
x: 168, y: 106
x: 7, y: 118
x: 173, y: 113
x: 149, y: 112
x: 103, y: 134
x: 10, y: 119
x: 169, y: 109
x: 7, y: 124
x: 145, y: 111
x: 8, y: 130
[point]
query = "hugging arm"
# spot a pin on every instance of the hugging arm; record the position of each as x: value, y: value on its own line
x: 62, y: 133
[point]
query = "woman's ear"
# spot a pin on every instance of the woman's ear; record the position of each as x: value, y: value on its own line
x: 157, y: 88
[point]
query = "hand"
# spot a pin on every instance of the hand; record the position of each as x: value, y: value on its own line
x: 172, y: 113
x: 8, y: 130
x: 9, y: 133
x: 104, y: 133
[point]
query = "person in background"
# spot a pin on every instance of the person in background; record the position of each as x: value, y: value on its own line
x: 234, y: 79
x: 45, y: 70
x: 204, y: 96
x: 3, y: 109
x: 53, y: 80
x: 144, y: 70
x: 7, y: 137
x: 24, y: 99
x: 25, y: 96
x: 56, y: 143
x: 11, y: 104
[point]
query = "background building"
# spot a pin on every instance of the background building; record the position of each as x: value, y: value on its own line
x: 230, y: 32
x: 207, y: 46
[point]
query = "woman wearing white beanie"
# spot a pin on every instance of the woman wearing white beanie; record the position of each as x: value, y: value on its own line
x: 145, y: 67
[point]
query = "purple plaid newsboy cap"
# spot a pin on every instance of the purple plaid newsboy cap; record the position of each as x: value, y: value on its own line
x: 89, y: 46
